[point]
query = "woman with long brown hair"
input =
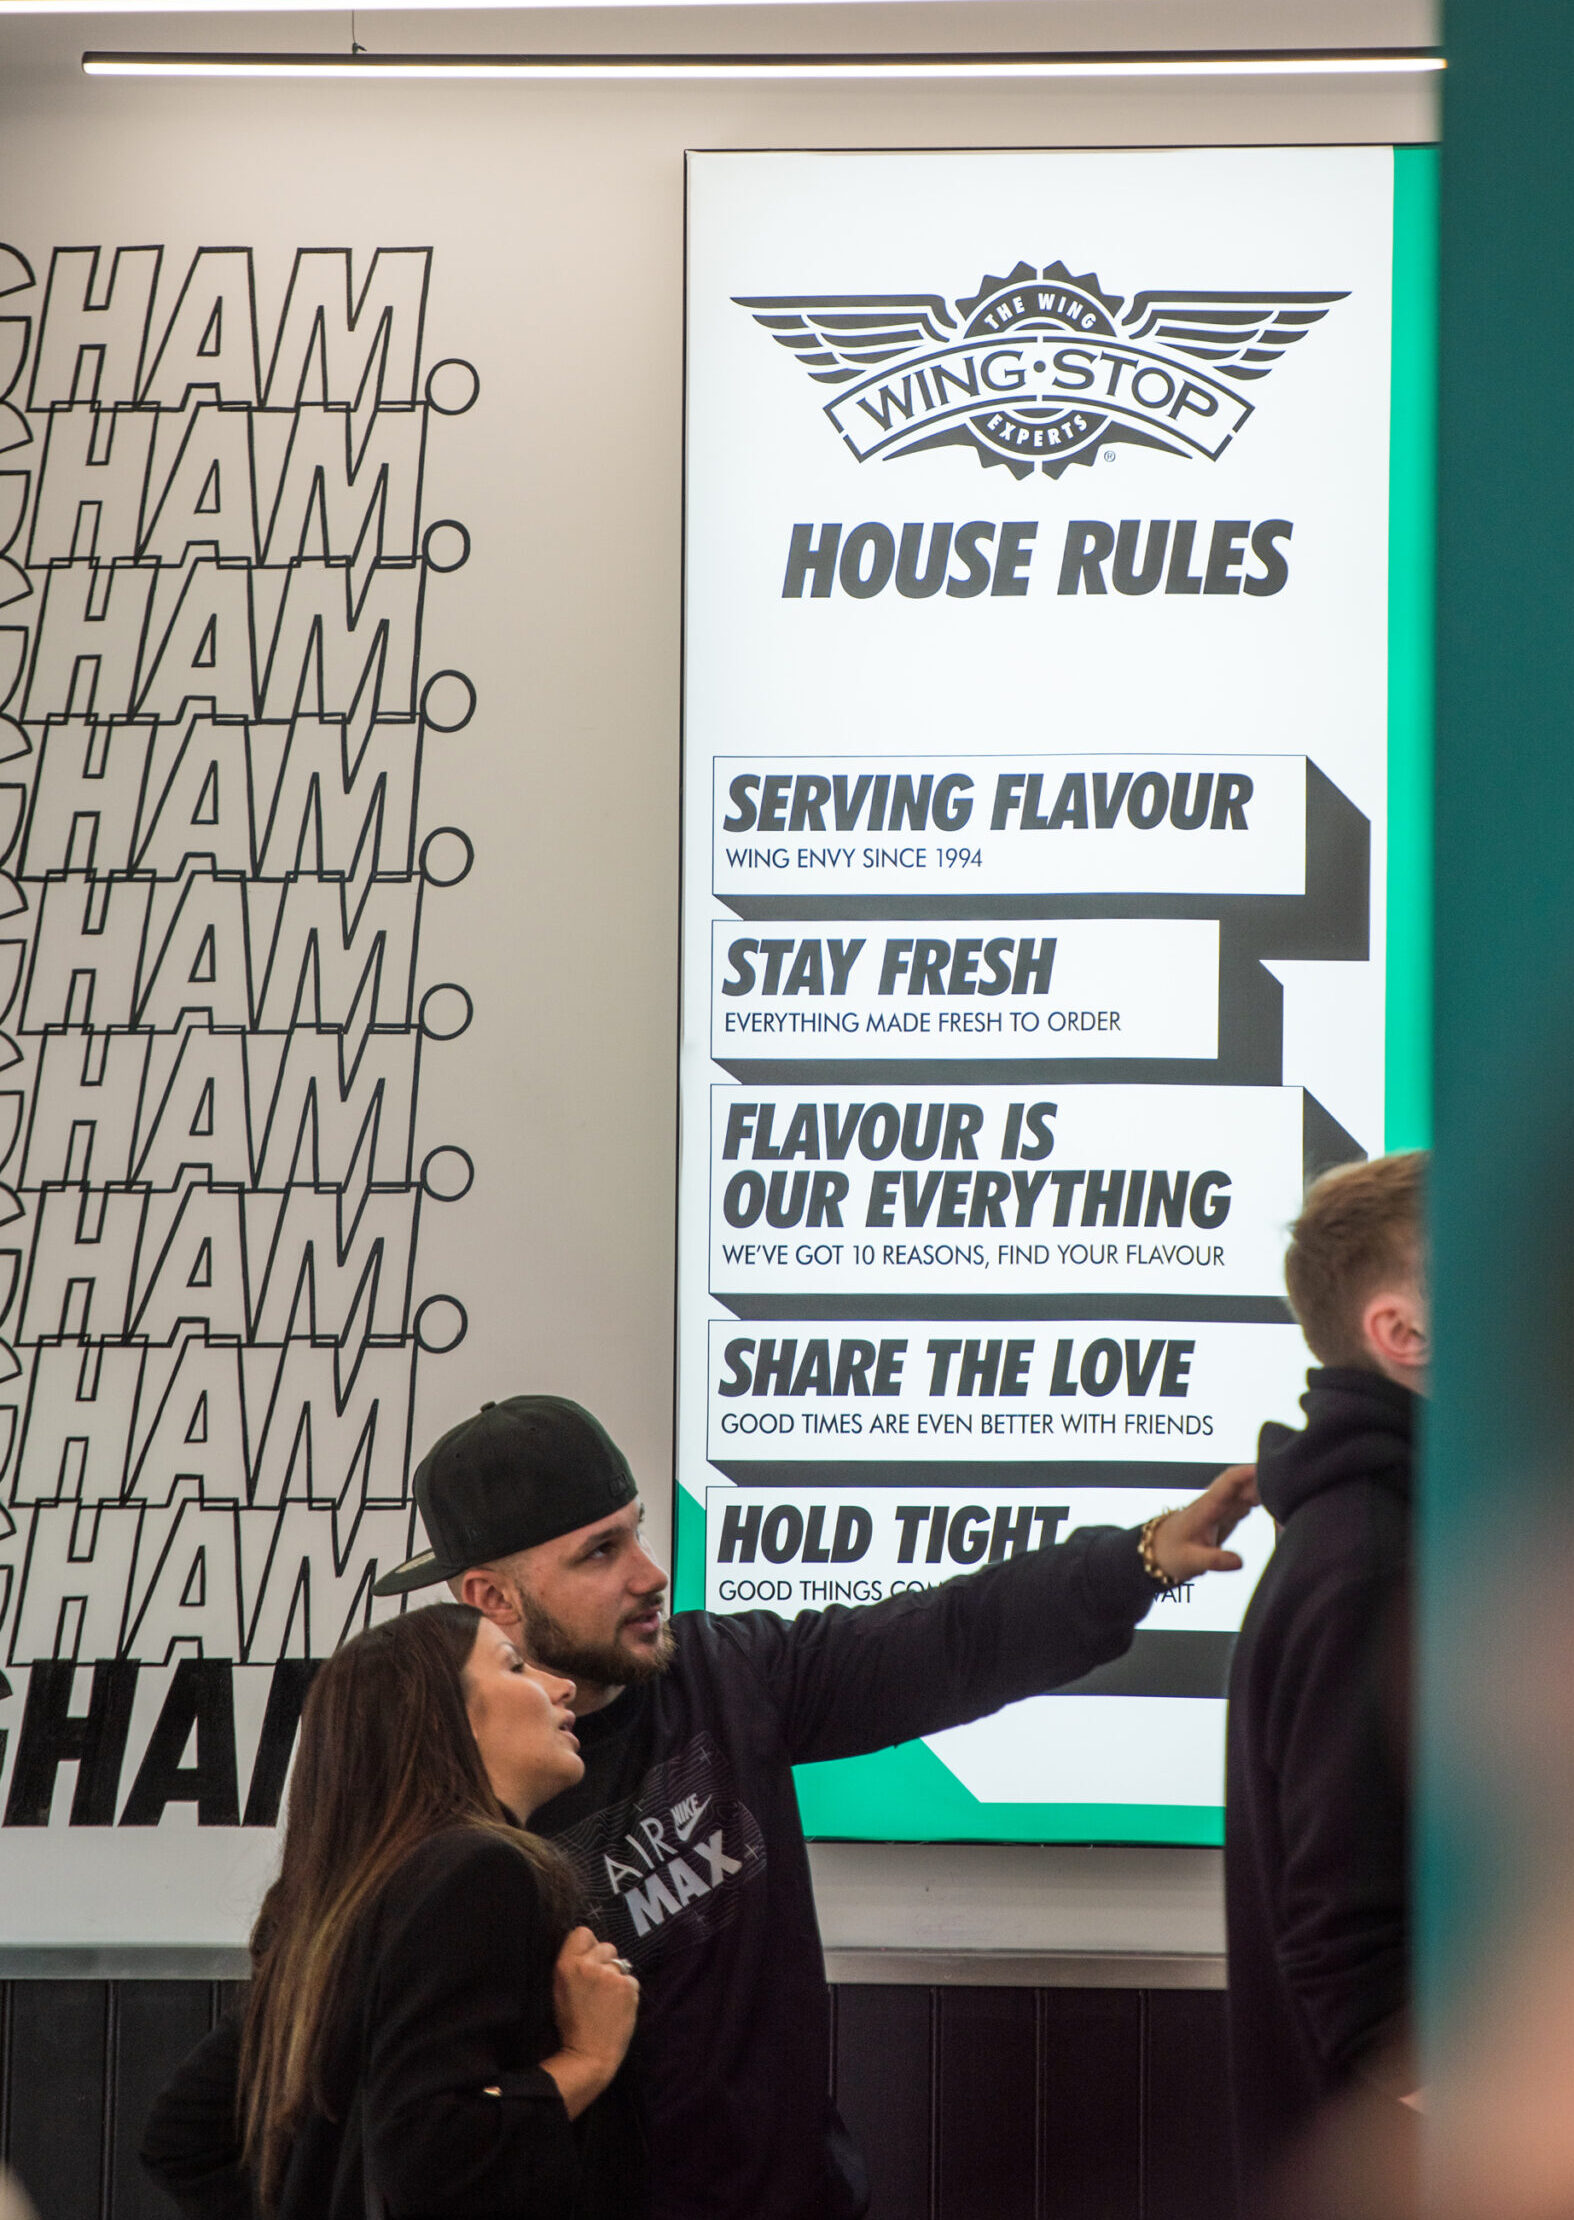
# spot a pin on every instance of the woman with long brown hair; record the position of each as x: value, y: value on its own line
x: 427, y: 2031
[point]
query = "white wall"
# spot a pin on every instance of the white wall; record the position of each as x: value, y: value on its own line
x: 558, y: 212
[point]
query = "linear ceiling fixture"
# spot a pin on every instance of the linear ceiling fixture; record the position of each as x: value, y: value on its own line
x: 383, y: 7
x: 815, y: 67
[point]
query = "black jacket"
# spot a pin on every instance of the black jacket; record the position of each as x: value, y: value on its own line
x: 449, y: 1994
x: 1316, y: 1848
x: 685, y: 1833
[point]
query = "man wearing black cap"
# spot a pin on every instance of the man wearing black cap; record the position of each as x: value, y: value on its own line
x: 685, y: 1828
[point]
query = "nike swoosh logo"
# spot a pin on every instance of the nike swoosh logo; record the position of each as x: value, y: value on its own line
x: 683, y: 1833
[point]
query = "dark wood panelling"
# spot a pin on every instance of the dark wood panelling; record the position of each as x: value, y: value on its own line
x: 968, y: 2104
x: 885, y: 2093
x: 6, y: 2000
x: 156, y: 2023
x: 59, y: 2094
x: 1090, y: 2083
x: 986, y: 2105
x: 1188, y: 2172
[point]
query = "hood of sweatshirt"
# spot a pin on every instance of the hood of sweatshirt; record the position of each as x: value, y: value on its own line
x: 1359, y: 1426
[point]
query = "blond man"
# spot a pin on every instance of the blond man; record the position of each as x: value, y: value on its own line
x: 1316, y: 1856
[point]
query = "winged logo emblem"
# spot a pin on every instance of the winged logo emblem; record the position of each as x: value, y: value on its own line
x: 1040, y: 369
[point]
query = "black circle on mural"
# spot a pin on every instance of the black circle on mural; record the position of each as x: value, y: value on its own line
x: 445, y: 1012
x: 446, y: 856
x: 441, y: 1324
x: 447, y: 701
x: 447, y: 1174
x: 445, y: 545
x: 452, y: 386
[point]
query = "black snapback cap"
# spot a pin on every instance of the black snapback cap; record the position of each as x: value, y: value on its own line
x: 520, y: 1472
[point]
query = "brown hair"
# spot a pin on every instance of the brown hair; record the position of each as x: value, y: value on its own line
x: 387, y: 1758
x: 1361, y: 1225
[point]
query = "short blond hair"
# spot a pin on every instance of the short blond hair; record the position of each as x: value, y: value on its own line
x: 1362, y: 1226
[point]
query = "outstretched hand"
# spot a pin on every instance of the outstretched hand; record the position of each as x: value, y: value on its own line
x: 1189, y: 1542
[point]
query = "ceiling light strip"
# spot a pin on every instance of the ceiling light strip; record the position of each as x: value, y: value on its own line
x: 811, y: 67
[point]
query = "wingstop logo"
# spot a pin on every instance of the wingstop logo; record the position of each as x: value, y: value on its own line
x: 1043, y: 368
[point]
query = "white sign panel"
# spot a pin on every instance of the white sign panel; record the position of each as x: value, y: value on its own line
x: 1034, y: 839
x: 1109, y: 988
x: 1088, y: 824
x: 993, y: 1390
x: 993, y: 1191
x: 819, y: 1546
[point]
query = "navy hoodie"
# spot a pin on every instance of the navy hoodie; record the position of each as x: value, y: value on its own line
x: 686, y: 1837
x: 1316, y: 1851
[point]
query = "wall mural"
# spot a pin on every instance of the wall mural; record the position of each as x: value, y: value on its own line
x: 217, y: 555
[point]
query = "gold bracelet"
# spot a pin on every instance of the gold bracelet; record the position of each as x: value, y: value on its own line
x: 1150, y: 1564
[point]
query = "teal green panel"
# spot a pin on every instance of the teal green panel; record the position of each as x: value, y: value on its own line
x: 688, y: 1551
x: 1411, y: 517
x: 905, y: 1794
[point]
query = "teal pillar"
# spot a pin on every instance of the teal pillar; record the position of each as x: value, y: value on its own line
x: 1499, y: 1481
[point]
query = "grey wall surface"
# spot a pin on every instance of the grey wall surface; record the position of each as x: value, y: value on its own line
x: 568, y: 201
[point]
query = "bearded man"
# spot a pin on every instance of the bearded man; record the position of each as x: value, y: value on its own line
x: 685, y: 1830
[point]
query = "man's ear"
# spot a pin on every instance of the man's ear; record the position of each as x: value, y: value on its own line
x: 1394, y: 1329
x: 484, y: 1592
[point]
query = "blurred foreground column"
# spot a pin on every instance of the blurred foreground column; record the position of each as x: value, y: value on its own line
x: 1496, y: 1841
